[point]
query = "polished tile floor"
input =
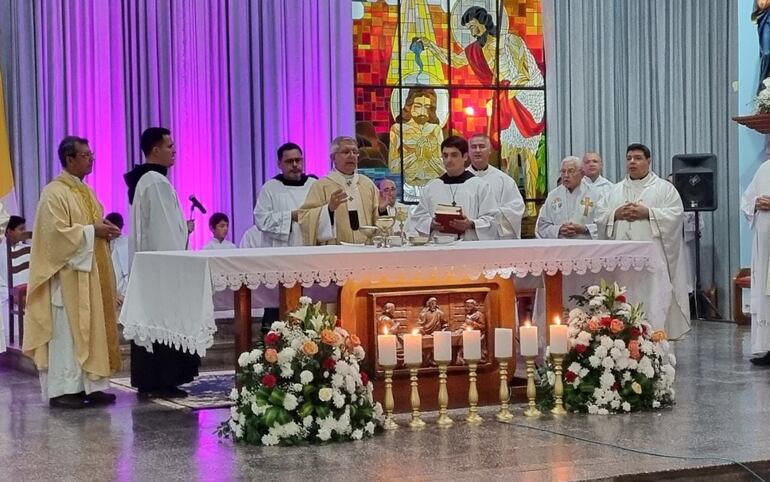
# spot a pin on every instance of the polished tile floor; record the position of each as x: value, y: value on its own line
x: 723, y: 410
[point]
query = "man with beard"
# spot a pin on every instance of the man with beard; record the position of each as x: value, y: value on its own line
x: 418, y: 131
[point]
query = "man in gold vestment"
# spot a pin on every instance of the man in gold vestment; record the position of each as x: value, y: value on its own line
x: 338, y: 204
x: 70, y: 328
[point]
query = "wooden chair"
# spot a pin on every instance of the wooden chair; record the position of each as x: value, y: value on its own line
x: 741, y: 281
x: 17, y: 294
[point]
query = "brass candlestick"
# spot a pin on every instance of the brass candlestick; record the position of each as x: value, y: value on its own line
x: 390, y: 422
x: 417, y: 421
x: 443, y: 397
x: 531, y: 410
x: 558, y: 387
x: 473, y: 416
x: 504, y: 415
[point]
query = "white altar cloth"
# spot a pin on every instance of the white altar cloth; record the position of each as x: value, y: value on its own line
x: 169, y: 294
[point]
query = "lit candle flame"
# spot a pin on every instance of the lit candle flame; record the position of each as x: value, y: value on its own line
x: 468, y: 329
x: 557, y: 319
x: 415, y: 331
x: 386, y: 330
x: 527, y: 323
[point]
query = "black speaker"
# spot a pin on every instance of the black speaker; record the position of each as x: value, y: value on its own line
x: 695, y: 177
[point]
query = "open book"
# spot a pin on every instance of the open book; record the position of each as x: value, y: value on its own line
x: 444, y: 214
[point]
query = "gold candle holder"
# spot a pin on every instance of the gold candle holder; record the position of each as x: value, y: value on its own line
x: 531, y: 410
x: 504, y: 414
x: 558, y: 387
x: 417, y: 421
x: 444, y: 420
x: 473, y: 416
x: 390, y: 422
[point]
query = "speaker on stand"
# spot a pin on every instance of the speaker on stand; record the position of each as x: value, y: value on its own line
x: 695, y: 177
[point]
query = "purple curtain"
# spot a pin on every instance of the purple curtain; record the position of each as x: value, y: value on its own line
x: 232, y: 80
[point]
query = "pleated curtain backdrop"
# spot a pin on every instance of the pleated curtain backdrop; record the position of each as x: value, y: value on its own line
x: 658, y: 72
x: 232, y: 79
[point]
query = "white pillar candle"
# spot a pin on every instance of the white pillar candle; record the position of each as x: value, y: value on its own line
x: 528, y: 340
x: 503, y: 343
x: 386, y: 347
x: 442, y: 346
x: 559, y: 338
x: 413, y: 348
x: 472, y: 344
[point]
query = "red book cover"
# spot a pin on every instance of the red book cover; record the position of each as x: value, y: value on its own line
x: 446, y: 213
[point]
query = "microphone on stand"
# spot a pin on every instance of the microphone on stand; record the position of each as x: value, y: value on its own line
x: 195, y: 204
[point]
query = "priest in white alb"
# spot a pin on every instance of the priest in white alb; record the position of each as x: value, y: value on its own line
x: 755, y: 205
x: 568, y: 211
x: 457, y: 188
x: 644, y: 207
x: 277, y: 208
x: 593, y: 165
x: 338, y: 204
x: 510, y: 204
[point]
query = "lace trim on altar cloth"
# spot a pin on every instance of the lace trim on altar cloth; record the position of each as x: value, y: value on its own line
x: 145, y: 336
x: 234, y: 280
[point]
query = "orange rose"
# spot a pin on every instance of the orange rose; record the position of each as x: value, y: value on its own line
x: 352, y: 341
x: 593, y: 325
x: 271, y: 356
x: 616, y: 326
x: 659, y: 335
x: 633, y: 348
x: 330, y: 338
x: 309, y: 348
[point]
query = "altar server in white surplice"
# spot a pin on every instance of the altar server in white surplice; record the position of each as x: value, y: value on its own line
x: 119, y: 253
x: 252, y: 238
x: 645, y: 207
x: 592, y: 173
x: 755, y: 205
x: 568, y: 211
x: 510, y: 204
x: 219, y: 224
x: 457, y: 188
x: 276, y: 211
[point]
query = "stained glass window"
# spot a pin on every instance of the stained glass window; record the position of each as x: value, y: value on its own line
x: 428, y: 69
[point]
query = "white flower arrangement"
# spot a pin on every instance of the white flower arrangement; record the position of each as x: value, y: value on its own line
x: 305, y: 385
x: 616, y: 363
x: 762, y: 99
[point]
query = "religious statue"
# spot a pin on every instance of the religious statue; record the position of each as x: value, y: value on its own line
x: 761, y: 15
x: 418, y: 132
x: 387, y: 320
x: 474, y: 320
x: 431, y: 318
x: 520, y: 112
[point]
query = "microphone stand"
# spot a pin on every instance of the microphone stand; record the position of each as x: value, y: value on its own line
x: 700, y: 295
x: 187, y: 243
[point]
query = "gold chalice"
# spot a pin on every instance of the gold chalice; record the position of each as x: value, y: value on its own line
x: 370, y: 232
x: 386, y: 224
x: 402, y: 214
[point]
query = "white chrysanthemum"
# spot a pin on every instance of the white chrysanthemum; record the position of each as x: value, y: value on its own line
x: 626, y: 407
x: 595, y: 302
x: 234, y: 394
x: 668, y: 371
x: 378, y: 409
x: 608, y: 363
x: 297, y: 387
x: 289, y: 402
x: 594, y: 361
x: 243, y: 359
x: 350, y: 384
x: 633, y: 364
x: 278, y: 326
x: 593, y: 409
x: 584, y: 338
x: 583, y: 372
x: 646, y: 347
x: 606, y: 380
x: 615, y: 404
x: 287, y: 372
x: 619, y: 344
x: 337, y: 380
x: 626, y: 377
x: 286, y: 355
x: 359, y: 353
x: 305, y: 300
x: 338, y: 400
x: 622, y: 363
x: 615, y: 353
x: 606, y: 342
x: 574, y: 368
x: 326, y: 374
x: 258, y: 368
x: 307, y: 421
x: 357, y: 434
x: 602, y: 411
x: 325, y: 394
x: 324, y: 434
x: 601, y: 352
x: 655, y: 404
x: 593, y: 290
x: 576, y: 314
x: 551, y: 378
x: 369, y: 428
x: 306, y: 377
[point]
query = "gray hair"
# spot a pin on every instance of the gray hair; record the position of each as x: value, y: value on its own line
x: 381, y: 183
x: 338, y: 141
x: 571, y: 160
x: 68, y: 147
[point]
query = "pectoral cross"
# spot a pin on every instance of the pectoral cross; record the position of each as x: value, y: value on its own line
x: 587, y: 204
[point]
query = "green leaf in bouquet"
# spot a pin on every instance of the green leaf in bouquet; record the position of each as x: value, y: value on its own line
x: 308, y: 391
x: 271, y: 415
x: 353, y: 411
x: 263, y: 392
x: 284, y: 416
x: 586, y: 387
x: 276, y: 398
x: 306, y: 409
x: 322, y: 411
